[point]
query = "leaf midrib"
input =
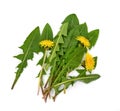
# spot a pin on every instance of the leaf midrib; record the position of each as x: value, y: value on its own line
x: 76, y: 79
x: 60, y: 35
x: 26, y: 54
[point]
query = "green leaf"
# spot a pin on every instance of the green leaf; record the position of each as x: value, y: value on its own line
x: 82, y: 72
x: 86, y: 79
x: 72, y: 21
x: 20, y: 56
x: 90, y: 78
x: 83, y: 29
x: 63, y: 32
x: 93, y: 36
x: 70, y: 40
x: 75, y: 58
x: 47, y: 33
x: 30, y: 46
x: 40, y: 61
x: 63, y: 29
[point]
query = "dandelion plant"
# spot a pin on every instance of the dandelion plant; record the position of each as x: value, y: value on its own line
x: 68, y: 51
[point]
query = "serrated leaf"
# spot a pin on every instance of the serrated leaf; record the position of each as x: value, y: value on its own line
x: 63, y: 32
x: 61, y: 52
x: 61, y: 39
x: 30, y: 46
x: 20, y: 56
x: 93, y: 36
x: 63, y: 29
x: 40, y: 61
x: 73, y: 22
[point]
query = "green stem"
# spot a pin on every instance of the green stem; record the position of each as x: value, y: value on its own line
x: 49, y: 83
x: 41, y: 71
x: 59, y: 75
x: 59, y: 68
x: 50, y: 77
x: 53, y: 74
x: 53, y: 77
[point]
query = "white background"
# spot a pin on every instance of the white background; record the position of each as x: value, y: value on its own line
x: 19, y: 17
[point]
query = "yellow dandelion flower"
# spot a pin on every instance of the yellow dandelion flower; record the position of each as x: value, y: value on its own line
x: 89, y: 62
x: 84, y: 41
x: 47, y: 43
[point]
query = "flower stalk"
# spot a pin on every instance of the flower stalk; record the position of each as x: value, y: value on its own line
x: 41, y: 73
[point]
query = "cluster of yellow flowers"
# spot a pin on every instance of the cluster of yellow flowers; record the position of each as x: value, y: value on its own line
x: 89, y: 60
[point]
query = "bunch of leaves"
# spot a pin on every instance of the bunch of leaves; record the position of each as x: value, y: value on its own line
x: 66, y: 56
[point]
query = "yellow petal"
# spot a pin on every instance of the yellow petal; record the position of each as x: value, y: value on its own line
x: 47, y: 43
x: 89, y: 62
x: 83, y: 41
